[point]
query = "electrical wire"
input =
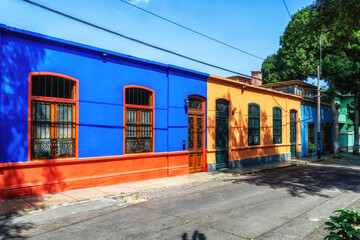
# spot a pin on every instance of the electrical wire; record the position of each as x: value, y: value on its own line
x: 135, y: 40
x: 287, y: 8
x: 191, y: 30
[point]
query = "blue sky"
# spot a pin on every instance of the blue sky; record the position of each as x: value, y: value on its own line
x: 251, y: 25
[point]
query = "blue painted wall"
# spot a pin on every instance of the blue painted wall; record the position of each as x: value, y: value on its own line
x: 177, y: 110
x: 309, y: 114
x: 101, y: 89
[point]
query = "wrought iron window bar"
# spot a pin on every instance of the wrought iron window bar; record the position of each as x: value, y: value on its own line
x: 53, y: 127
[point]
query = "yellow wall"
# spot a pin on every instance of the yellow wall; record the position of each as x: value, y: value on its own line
x: 230, y: 90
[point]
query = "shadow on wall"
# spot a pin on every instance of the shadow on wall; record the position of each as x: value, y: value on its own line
x: 240, y: 139
x: 238, y: 133
x: 18, y: 60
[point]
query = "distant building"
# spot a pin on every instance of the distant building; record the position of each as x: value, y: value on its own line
x: 308, y: 93
x: 255, y: 80
x: 346, y: 125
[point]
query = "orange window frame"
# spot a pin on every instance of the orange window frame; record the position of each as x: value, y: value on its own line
x: 200, y: 113
x: 138, y: 108
x: 53, y: 103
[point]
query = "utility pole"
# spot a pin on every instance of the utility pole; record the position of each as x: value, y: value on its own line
x: 318, y: 115
x: 318, y: 107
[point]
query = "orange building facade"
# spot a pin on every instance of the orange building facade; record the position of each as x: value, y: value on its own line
x: 249, y: 125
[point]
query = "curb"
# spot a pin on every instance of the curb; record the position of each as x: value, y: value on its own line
x: 136, y: 196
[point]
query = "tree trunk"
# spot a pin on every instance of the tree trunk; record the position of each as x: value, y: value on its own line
x: 336, y: 123
x: 356, y: 124
x: 336, y: 129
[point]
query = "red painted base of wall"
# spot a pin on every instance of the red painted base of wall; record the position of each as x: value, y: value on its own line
x: 57, y: 175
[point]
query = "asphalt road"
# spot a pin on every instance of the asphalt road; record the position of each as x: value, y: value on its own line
x: 288, y: 203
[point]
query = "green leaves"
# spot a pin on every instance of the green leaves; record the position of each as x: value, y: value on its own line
x: 337, y: 22
x: 297, y: 56
x: 311, y: 147
x: 337, y: 16
x: 345, y: 226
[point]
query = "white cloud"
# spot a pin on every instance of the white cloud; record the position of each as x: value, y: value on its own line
x: 139, y: 2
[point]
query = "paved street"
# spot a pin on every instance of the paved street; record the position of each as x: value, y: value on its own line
x: 287, y: 203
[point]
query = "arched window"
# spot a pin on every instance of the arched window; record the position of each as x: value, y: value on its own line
x: 139, y: 120
x: 254, y: 124
x: 53, y: 102
x: 195, y: 103
x: 277, y: 125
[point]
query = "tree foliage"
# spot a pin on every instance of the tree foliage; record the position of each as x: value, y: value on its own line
x: 337, y: 16
x: 297, y: 57
x: 336, y: 24
x: 341, y: 66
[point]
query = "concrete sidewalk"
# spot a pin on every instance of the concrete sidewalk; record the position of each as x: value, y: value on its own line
x: 131, y: 192
x: 306, y: 160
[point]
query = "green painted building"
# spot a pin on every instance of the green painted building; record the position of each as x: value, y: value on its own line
x: 346, y: 125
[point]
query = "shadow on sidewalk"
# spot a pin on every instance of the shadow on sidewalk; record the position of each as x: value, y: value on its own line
x: 9, y: 229
x: 10, y: 210
x: 307, y: 179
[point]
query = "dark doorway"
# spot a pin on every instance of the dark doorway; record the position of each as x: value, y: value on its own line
x: 293, y: 133
x: 222, y: 133
x: 327, y: 136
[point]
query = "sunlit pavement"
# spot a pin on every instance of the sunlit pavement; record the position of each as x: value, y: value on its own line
x: 45, y: 201
x: 284, y: 203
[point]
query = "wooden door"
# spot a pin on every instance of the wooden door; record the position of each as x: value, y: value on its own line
x: 196, y: 134
x: 222, y: 133
x: 293, y: 133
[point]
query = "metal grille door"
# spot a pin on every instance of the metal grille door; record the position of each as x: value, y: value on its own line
x: 293, y: 133
x: 222, y: 133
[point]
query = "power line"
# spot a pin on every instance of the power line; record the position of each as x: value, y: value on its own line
x: 191, y: 30
x: 134, y: 39
x: 287, y: 8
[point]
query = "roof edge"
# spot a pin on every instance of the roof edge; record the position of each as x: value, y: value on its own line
x: 217, y: 78
x: 88, y: 48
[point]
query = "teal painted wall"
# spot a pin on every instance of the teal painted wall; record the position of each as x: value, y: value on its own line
x: 346, y: 125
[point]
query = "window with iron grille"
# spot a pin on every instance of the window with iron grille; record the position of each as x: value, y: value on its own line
x: 254, y: 124
x: 277, y: 125
x: 195, y: 103
x: 139, y: 120
x: 53, y: 121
